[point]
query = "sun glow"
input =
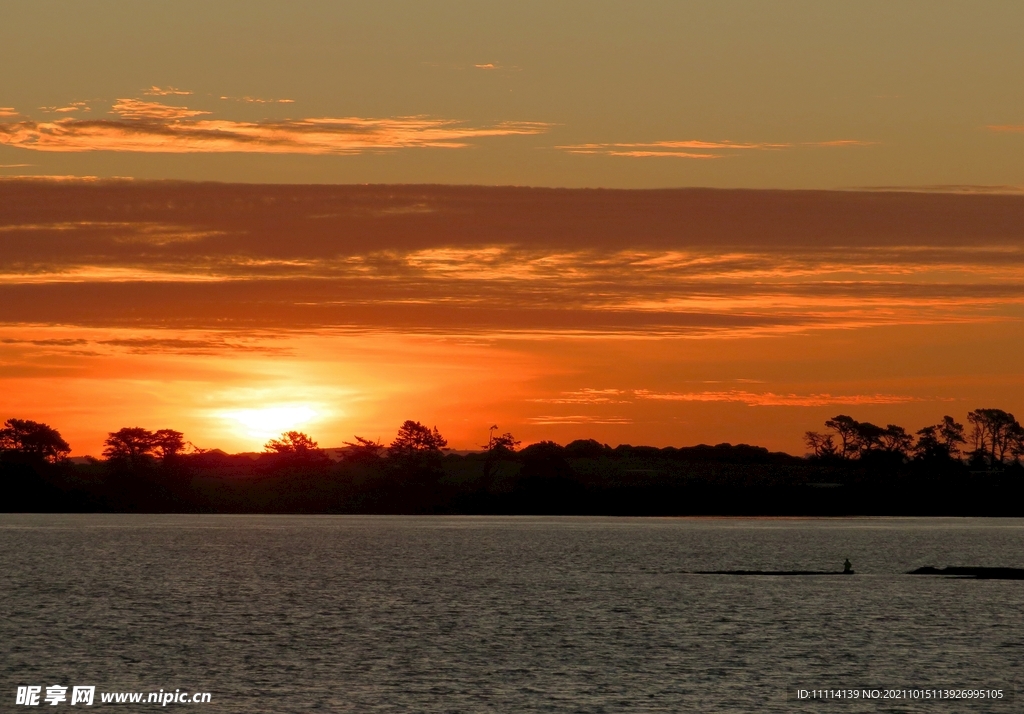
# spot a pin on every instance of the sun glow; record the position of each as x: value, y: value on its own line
x: 268, y: 422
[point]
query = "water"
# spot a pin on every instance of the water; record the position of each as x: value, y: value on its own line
x: 438, y: 614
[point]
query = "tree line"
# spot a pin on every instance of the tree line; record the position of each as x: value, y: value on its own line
x: 855, y: 468
x: 995, y: 439
x: 136, y: 445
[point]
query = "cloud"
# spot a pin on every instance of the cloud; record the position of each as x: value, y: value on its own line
x: 586, y: 396
x: 155, y: 91
x: 687, y: 149
x: 947, y: 188
x: 193, y: 342
x: 14, y: 166
x: 641, y: 153
x: 73, y: 107
x: 695, y: 149
x: 771, y: 399
x: 257, y: 100
x: 204, y: 346
x: 9, y: 112
x: 578, y: 419
x: 708, y: 145
x: 487, y: 65
x: 157, y: 128
x: 840, y: 143
x: 740, y: 396
x: 138, y: 109
x: 502, y: 261
x: 56, y: 179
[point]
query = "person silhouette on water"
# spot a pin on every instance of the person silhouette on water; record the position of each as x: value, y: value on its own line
x: 847, y: 567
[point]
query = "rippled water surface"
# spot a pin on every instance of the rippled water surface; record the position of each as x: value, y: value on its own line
x: 438, y: 614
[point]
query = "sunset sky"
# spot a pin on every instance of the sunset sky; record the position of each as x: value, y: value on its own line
x: 660, y: 223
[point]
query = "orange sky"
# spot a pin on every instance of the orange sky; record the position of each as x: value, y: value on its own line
x: 237, y: 217
x: 232, y: 312
x: 792, y: 94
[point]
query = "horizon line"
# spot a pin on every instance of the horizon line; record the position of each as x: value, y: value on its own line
x: 937, y: 189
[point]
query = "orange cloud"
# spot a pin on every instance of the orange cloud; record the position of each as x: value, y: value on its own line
x: 257, y: 100
x: 58, y: 179
x: 840, y: 143
x: 694, y: 149
x: 481, y: 261
x: 708, y: 145
x: 686, y: 149
x: 647, y: 152
x: 73, y: 107
x: 578, y: 419
x: 769, y: 399
x: 158, y: 128
x: 586, y: 396
x: 8, y: 112
x: 155, y: 91
x: 138, y: 109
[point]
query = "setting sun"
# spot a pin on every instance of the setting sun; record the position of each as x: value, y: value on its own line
x: 266, y: 422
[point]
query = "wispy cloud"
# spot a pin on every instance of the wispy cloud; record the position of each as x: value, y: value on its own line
x: 494, y: 261
x: 578, y: 419
x: 690, y: 149
x: 42, y: 179
x: 155, y: 91
x: 70, y: 108
x: 840, y: 143
x: 9, y: 112
x: 159, y: 128
x: 586, y: 396
x: 138, y: 109
x: 771, y: 399
x: 196, y: 342
x: 258, y: 100
x: 486, y: 65
x: 996, y: 189
x: 696, y: 149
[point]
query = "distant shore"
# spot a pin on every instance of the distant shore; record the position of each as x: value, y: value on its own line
x: 582, y: 478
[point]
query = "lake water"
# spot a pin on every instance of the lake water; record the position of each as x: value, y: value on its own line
x: 463, y: 614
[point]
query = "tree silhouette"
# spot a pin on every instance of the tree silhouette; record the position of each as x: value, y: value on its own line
x: 895, y: 440
x: 362, y: 451
x: 822, y: 446
x: 940, y: 441
x: 860, y: 439
x: 133, y: 444
x: 995, y: 435
x: 1017, y: 444
x: 34, y: 440
x: 137, y: 445
x: 499, y: 448
x: 504, y: 444
x: 415, y: 439
x: 168, y: 443
x: 868, y: 438
x: 846, y: 428
x: 292, y: 443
